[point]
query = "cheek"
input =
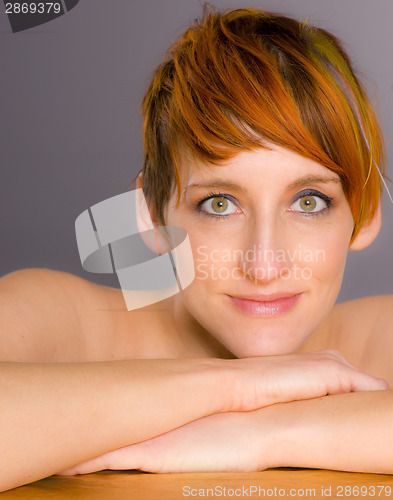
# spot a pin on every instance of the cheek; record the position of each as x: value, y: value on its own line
x: 330, y: 252
x: 209, y: 244
x: 210, y: 260
x: 205, y: 244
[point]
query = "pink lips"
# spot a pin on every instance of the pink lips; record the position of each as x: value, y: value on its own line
x: 265, y: 306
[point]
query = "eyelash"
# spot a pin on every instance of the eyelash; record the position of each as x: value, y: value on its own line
x: 312, y: 192
x: 212, y: 194
x: 308, y: 192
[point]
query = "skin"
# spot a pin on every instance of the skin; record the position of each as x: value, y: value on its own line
x: 264, y: 213
x: 49, y: 320
x: 306, y: 252
x: 201, y: 321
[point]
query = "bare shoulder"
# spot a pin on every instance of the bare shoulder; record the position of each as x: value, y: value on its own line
x: 44, y: 314
x: 362, y: 330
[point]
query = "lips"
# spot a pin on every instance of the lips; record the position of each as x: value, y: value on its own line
x: 265, y: 297
x: 266, y: 306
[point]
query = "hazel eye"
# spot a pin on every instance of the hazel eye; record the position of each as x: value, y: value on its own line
x: 309, y: 204
x: 219, y: 205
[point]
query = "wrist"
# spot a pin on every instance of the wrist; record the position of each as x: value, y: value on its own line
x: 294, y: 433
x: 226, y: 381
x: 279, y: 435
x: 208, y: 381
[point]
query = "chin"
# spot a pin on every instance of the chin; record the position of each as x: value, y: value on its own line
x: 261, y: 351
x: 267, y: 341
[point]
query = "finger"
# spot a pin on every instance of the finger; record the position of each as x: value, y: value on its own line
x: 93, y: 465
x: 355, y: 381
x: 361, y: 381
x: 365, y: 382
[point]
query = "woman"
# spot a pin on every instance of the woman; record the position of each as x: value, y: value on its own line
x: 260, y: 142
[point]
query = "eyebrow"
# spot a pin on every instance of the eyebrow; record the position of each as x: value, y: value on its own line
x: 215, y: 184
x: 310, y: 179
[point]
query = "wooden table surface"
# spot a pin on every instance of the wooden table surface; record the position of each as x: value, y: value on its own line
x: 274, y: 483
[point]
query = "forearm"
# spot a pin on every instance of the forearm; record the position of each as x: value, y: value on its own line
x: 316, y: 433
x: 349, y: 432
x: 54, y: 415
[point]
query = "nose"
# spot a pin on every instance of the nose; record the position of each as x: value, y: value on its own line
x: 263, y: 257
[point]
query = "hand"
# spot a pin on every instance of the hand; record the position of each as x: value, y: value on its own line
x: 262, y: 381
x: 231, y: 442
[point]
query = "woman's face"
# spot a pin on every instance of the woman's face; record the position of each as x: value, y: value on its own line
x: 269, y: 231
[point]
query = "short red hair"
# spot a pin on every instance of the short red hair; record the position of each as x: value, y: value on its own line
x: 236, y: 79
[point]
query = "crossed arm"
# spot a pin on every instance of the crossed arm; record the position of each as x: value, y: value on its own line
x: 351, y: 431
x: 348, y: 432
x: 172, y: 414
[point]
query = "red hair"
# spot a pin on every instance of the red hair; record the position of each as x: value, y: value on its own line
x: 236, y: 79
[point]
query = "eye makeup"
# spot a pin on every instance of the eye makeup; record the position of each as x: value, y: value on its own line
x: 312, y: 193
x: 211, y: 195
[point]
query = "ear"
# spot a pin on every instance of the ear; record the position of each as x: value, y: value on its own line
x: 368, y: 232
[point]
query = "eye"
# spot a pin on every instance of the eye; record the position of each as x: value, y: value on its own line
x: 311, y: 202
x: 218, y: 205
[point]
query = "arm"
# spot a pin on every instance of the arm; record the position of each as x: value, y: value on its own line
x: 54, y: 414
x: 57, y: 414
x: 76, y: 411
x: 348, y: 432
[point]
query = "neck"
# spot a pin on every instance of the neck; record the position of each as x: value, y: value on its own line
x: 197, y: 341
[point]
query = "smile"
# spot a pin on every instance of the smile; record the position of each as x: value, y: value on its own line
x: 265, y: 306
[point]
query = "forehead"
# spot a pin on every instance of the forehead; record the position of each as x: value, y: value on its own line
x: 276, y: 166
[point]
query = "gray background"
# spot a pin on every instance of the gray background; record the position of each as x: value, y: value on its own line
x: 71, y: 128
